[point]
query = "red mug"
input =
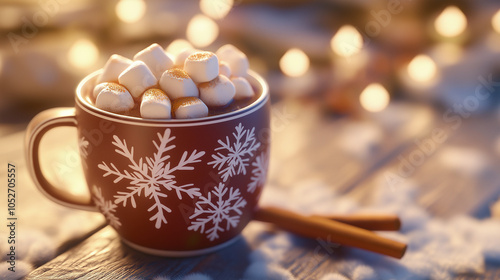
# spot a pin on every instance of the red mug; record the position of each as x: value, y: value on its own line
x: 168, y: 187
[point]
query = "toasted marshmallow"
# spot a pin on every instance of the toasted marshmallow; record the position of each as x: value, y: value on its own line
x: 218, y: 92
x: 177, y: 83
x: 242, y: 87
x: 113, y: 68
x: 224, y: 69
x: 189, y: 108
x: 202, y: 66
x: 237, y: 60
x: 155, y: 58
x: 182, y: 56
x: 155, y: 104
x: 137, y: 78
x: 98, y: 88
x: 114, y: 98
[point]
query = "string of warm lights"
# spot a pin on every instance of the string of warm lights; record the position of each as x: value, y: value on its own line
x: 349, y: 50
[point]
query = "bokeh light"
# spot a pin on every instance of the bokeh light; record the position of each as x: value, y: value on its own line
x: 495, y: 21
x: 130, y: 11
x: 422, y: 68
x: 83, y: 54
x: 294, y: 63
x: 374, y: 98
x: 216, y: 9
x: 202, y: 31
x: 451, y: 22
x: 177, y: 46
x: 347, y: 41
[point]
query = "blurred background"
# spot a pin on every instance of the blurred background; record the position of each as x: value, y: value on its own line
x: 368, y: 95
x: 352, y: 56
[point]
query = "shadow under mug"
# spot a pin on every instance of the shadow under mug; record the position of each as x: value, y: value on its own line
x: 168, y: 187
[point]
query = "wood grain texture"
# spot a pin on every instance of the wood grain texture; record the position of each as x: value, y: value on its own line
x: 104, y: 256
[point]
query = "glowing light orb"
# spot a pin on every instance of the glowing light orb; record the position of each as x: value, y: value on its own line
x: 130, y: 11
x: 202, y: 31
x: 495, y: 21
x: 451, y: 22
x: 374, y: 98
x: 294, y: 63
x: 83, y: 54
x: 347, y: 41
x: 422, y: 68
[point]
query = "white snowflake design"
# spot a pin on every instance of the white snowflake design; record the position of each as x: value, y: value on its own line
x: 213, y: 212
x: 152, y: 175
x: 259, y: 172
x: 107, y: 207
x: 236, y: 155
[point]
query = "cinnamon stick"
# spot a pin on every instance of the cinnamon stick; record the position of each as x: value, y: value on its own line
x: 344, y: 234
x: 367, y: 221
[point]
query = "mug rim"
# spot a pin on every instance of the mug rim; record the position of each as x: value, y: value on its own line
x: 256, y: 79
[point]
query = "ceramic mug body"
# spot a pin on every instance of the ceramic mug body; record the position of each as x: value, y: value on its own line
x: 172, y: 188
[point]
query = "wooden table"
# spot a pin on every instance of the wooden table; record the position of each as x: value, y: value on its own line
x: 312, y: 144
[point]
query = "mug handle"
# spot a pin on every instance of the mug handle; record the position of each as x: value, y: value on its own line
x: 39, y: 125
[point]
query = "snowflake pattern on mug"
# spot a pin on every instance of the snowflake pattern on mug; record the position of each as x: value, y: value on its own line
x: 108, y: 208
x: 232, y: 157
x: 152, y: 176
x: 259, y: 172
x: 219, y: 211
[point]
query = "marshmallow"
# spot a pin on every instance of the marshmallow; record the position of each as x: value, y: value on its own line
x: 237, y: 60
x: 177, y: 83
x: 183, y: 55
x: 155, y: 58
x: 114, y: 98
x: 218, y: 92
x: 155, y: 105
x: 171, y: 57
x: 189, y: 108
x: 242, y: 87
x: 98, y: 88
x: 137, y: 78
x: 224, y: 69
x: 112, y: 69
x: 202, y: 66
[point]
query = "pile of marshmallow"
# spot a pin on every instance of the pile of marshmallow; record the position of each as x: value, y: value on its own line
x: 181, y: 87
